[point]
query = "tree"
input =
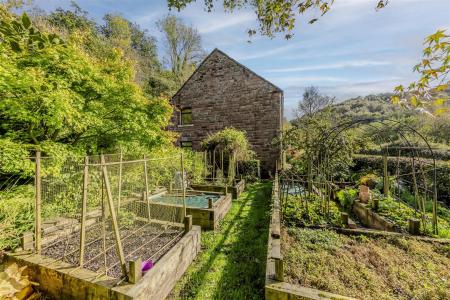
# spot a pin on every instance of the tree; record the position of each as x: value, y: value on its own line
x: 183, y: 46
x: 274, y: 16
x: 431, y: 92
x: 313, y: 102
x: 56, y: 96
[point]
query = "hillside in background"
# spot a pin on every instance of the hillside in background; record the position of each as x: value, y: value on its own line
x: 368, y: 106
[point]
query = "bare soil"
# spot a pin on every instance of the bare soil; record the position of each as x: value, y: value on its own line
x: 149, y: 242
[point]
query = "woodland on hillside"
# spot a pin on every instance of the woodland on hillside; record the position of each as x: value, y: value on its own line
x: 89, y: 87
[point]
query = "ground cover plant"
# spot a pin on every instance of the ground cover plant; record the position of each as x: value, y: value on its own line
x: 304, y: 211
x: 232, y: 262
x: 384, y: 267
x: 399, y: 213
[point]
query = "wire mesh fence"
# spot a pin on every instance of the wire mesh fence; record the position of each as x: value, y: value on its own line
x: 97, y: 212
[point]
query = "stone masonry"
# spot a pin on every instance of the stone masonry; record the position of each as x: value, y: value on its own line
x: 223, y: 93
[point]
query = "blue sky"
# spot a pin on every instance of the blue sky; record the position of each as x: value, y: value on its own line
x: 353, y: 50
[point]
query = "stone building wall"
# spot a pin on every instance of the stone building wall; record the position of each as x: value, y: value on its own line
x: 223, y: 93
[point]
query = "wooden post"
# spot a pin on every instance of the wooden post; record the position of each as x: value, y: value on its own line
x: 279, y: 273
x: 258, y: 166
x: 187, y: 223
x: 38, y: 220
x: 135, y: 267
x: 214, y: 165
x: 205, y: 165
x: 119, y: 196
x: 112, y: 212
x: 385, y: 175
x: 414, y: 226
x: 146, y: 188
x: 183, y: 184
x: 344, y: 219
x: 221, y: 160
x: 26, y: 241
x: 376, y: 204
x: 84, y: 209
x: 416, y: 192
x: 210, y: 203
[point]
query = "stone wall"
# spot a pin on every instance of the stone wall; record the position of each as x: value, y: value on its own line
x: 223, y: 93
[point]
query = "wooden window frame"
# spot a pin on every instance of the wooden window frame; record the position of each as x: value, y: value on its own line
x: 186, y: 111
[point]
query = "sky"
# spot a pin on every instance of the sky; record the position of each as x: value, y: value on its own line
x: 353, y: 50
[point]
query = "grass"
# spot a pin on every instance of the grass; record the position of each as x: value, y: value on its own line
x: 366, y: 267
x: 232, y: 262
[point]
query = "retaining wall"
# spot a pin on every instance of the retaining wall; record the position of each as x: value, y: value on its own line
x: 370, y: 218
x: 64, y: 281
x: 276, y: 288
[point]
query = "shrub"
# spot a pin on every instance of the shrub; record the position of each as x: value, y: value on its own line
x: 371, y: 180
x: 298, y: 211
x: 346, y: 197
x: 249, y: 169
x: 16, y: 215
x: 230, y: 140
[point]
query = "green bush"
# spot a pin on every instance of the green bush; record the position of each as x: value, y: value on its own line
x: 346, y: 197
x: 298, y: 211
x: 249, y: 169
x: 371, y: 180
x: 16, y: 215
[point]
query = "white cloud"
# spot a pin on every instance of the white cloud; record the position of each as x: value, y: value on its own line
x: 305, y: 80
x: 266, y: 53
x: 347, y: 64
x: 224, y: 21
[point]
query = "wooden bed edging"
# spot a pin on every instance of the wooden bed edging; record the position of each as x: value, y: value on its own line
x: 159, y: 281
x: 61, y: 280
x: 275, y: 287
x: 235, y: 190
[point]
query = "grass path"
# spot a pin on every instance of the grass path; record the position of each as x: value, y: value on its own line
x: 232, y: 262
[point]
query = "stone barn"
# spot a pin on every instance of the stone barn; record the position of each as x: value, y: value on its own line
x: 224, y: 93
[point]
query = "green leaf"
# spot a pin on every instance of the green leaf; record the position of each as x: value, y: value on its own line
x: 15, y: 46
x: 439, y: 101
x: 395, y: 99
x: 441, y: 87
x: 26, y: 21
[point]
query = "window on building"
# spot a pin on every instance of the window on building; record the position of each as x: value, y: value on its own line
x: 186, y: 116
x: 186, y: 145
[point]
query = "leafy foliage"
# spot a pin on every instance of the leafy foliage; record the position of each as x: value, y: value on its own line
x: 399, y: 213
x: 55, y: 95
x: 346, y: 197
x: 306, y: 212
x: 427, y: 92
x: 183, y: 46
x: 230, y: 140
x: 306, y: 138
x: 276, y: 16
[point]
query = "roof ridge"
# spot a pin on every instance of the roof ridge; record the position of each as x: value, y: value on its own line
x: 233, y: 60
